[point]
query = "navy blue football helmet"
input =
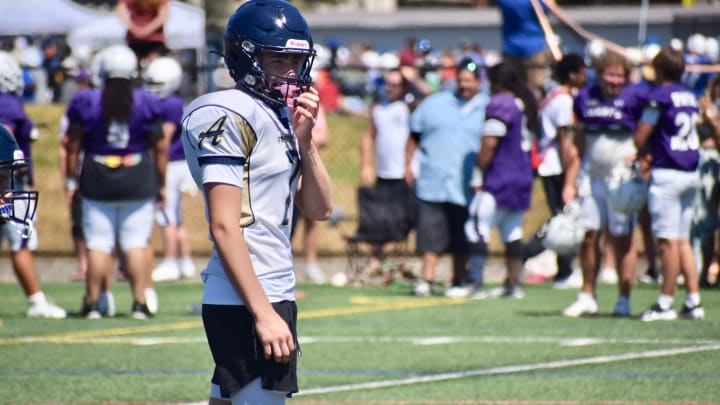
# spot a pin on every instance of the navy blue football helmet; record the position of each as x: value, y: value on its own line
x: 259, y: 26
x: 17, y: 206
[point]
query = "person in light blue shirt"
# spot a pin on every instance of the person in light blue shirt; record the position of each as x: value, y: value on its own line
x: 446, y: 129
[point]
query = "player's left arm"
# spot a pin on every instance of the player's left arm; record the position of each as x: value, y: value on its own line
x: 314, y: 194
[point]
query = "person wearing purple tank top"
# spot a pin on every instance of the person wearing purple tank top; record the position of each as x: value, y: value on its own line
x: 507, y: 176
x: 667, y: 137
x: 119, y: 130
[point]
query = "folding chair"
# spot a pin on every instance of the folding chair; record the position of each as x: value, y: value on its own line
x: 385, y: 216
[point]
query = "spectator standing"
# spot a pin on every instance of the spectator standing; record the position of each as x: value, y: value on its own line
x: 17, y: 201
x: 524, y: 43
x: 52, y: 64
x: 247, y: 151
x: 507, y: 178
x: 162, y: 78
x: 145, y: 23
x: 667, y: 132
x: 446, y: 129
x: 607, y: 116
x: 383, y: 144
x: 116, y: 127
x: 555, y: 151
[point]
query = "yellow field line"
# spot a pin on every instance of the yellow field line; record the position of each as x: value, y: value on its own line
x: 362, y: 304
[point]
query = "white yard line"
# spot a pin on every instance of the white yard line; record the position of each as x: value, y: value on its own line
x: 508, y: 369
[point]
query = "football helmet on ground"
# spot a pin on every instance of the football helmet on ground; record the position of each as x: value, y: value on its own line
x: 163, y: 76
x: 563, y: 233
x: 113, y: 62
x: 11, y: 77
x: 260, y: 26
x: 16, y: 205
x: 628, y: 189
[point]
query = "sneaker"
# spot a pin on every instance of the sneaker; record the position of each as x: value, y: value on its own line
x: 151, y: 300
x: 106, y: 303
x: 656, y: 313
x: 168, y: 270
x: 622, y: 308
x: 696, y: 313
x: 90, y: 310
x: 573, y: 281
x: 581, y: 307
x: 314, y: 274
x: 507, y: 291
x: 651, y: 277
x: 460, y: 291
x: 479, y: 294
x: 187, y: 268
x: 45, y: 309
x: 424, y: 288
x: 608, y: 276
x: 140, y: 311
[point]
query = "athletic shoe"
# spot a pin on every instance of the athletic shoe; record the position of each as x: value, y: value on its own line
x: 168, y: 270
x: 696, y: 313
x: 424, y: 288
x: 151, y: 299
x: 608, y: 276
x: 479, y: 294
x: 574, y: 280
x: 140, y: 311
x: 583, y: 306
x: 90, y: 310
x: 45, y: 309
x: 507, y: 291
x: 460, y: 291
x: 656, y: 313
x: 187, y: 268
x: 622, y: 308
x: 314, y: 274
x: 106, y: 303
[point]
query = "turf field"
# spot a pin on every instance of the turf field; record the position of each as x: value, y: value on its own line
x: 374, y: 346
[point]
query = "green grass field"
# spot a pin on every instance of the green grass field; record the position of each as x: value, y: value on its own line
x: 374, y: 346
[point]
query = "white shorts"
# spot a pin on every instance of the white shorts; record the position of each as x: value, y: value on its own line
x: 484, y: 215
x: 128, y: 223
x: 178, y: 180
x: 12, y: 232
x: 670, y: 202
x: 596, y: 212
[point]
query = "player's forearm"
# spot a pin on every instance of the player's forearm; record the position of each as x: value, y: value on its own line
x: 315, y: 195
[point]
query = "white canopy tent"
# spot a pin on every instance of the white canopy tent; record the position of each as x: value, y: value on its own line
x: 43, y: 17
x: 185, y: 29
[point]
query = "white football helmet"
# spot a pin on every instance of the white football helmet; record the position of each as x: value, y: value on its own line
x: 163, y: 76
x: 628, y: 189
x: 563, y: 233
x: 11, y: 77
x: 113, y: 62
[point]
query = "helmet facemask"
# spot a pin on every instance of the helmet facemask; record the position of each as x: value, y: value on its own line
x: 17, y: 206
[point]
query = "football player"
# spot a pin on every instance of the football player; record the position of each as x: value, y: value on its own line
x: 246, y: 149
x: 607, y: 115
x: 116, y: 127
x: 668, y: 133
x: 17, y: 202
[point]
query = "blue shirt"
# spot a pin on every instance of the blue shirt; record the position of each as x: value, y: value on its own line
x: 450, y: 131
x: 521, y: 31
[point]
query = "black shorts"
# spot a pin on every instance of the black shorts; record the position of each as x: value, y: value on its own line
x: 441, y: 228
x: 238, y: 353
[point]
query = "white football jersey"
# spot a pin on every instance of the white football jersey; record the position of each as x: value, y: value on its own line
x: 232, y: 138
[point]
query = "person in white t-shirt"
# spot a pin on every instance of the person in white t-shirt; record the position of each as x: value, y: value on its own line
x: 555, y: 150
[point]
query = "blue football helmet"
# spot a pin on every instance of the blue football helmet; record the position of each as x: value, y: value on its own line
x: 259, y: 26
x: 17, y: 206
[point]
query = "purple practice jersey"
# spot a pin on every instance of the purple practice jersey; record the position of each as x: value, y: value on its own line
x: 618, y: 115
x: 509, y: 176
x: 13, y: 116
x: 171, y: 109
x: 674, y: 141
x: 114, y: 138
